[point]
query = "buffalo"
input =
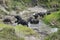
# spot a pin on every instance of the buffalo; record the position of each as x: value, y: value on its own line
x: 48, y: 12
x: 35, y: 15
x: 29, y: 19
x: 21, y: 21
x: 33, y: 20
x: 41, y: 14
x: 18, y: 17
x: 6, y: 21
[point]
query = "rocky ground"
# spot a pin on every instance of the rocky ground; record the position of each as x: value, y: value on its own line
x: 42, y: 29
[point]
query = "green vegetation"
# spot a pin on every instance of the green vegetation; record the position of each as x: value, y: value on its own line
x: 25, y: 30
x: 20, y: 28
x: 53, y: 19
x: 24, y: 3
x: 12, y: 4
x: 8, y: 32
x: 49, y: 3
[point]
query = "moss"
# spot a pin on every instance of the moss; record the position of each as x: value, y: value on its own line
x: 53, y: 17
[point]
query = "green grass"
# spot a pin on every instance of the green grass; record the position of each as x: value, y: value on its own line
x: 25, y: 30
x: 54, y: 16
x: 13, y: 3
x: 8, y: 32
x: 49, y: 18
x: 19, y: 28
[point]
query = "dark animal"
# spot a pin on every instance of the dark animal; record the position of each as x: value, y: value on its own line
x: 21, y: 21
x: 29, y: 19
x: 35, y: 16
x: 48, y: 12
x: 6, y: 21
x: 18, y: 17
x: 33, y: 21
x: 41, y: 14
